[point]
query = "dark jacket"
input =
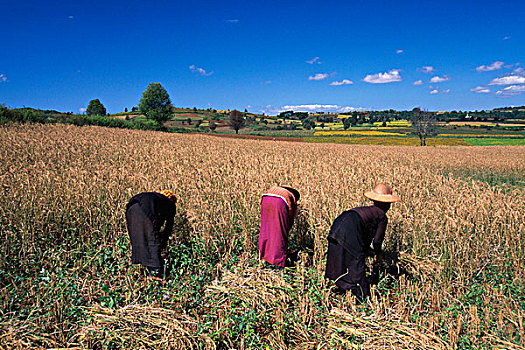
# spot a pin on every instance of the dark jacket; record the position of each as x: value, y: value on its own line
x: 374, y: 226
x: 349, y: 242
x: 146, y: 213
x: 157, y: 207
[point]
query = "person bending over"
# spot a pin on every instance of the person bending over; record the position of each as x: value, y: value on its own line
x: 278, y: 210
x: 146, y: 214
x: 349, y: 241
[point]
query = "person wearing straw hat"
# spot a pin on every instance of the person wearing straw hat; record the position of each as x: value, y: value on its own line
x: 146, y: 214
x: 349, y: 241
x: 278, y: 210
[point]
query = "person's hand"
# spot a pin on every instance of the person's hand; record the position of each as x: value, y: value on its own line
x: 378, y: 260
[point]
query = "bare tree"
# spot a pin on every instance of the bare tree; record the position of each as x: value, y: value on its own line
x: 236, y: 120
x: 424, y: 124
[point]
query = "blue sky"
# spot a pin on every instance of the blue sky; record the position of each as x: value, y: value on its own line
x: 266, y: 56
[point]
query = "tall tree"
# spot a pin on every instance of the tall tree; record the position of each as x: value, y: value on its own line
x: 155, y: 103
x: 424, y: 124
x: 236, y: 120
x: 347, y: 122
x: 95, y: 107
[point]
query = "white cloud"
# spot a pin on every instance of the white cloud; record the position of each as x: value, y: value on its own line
x: 3, y: 78
x: 266, y: 82
x: 71, y: 17
x: 399, y: 51
x: 81, y: 110
x: 313, y: 107
x: 314, y: 60
x: 512, y: 90
x: 418, y: 82
x: 200, y: 71
x: 269, y: 110
x: 436, y: 91
x: 481, y: 90
x: 508, y: 80
x: 506, y: 37
x: 426, y: 69
x: 438, y: 79
x: 350, y: 109
x: 342, y: 82
x: 519, y: 71
x: 318, y: 76
x: 272, y: 110
x: 382, y: 78
x: 319, y: 107
x: 493, y: 66
x: 232, y: 20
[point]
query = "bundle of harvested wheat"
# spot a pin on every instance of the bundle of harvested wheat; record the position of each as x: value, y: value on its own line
x: 143, y: 327
x: 373, y: 332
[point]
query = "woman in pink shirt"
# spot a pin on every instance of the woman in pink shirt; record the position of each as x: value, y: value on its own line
x: 278, y: 209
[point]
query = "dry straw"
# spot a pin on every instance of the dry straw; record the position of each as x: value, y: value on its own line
x: 63, y: 190
x: 142, y: 327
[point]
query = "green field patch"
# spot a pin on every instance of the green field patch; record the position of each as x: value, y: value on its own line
x: 495, y: 141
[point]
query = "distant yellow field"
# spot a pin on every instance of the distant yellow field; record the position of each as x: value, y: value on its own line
x: 356, y: 133
x: 395, y: 123
x: 391, y: 127
x: 340, y: 125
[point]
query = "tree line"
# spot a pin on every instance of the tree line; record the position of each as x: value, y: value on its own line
x: 156, y: 105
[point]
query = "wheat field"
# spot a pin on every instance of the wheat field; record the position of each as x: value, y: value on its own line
x: 455, y: 245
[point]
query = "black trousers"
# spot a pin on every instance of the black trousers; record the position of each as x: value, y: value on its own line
x: 345, y: 261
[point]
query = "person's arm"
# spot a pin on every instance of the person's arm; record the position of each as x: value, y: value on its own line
x: 292, y: 214
x: 166, y: 233
x: 379, y: 237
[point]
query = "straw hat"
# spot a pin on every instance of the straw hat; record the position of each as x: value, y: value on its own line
x: 382, y: 193
x: 168, y: 194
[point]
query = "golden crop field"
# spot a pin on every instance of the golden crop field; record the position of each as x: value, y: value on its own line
x: 455, y: 246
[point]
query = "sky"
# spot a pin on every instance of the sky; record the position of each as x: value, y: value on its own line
x: 264, y: 56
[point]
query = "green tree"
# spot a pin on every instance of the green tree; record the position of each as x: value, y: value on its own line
x: 236, y: 120
x: 155, y: 103
x: 424, y: 124
x: 308, y: 124
x: 347, y: 122
x: 95, y: 107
